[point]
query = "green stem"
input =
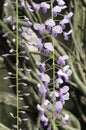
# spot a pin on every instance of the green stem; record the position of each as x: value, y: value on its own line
x: 53, y: 121
x: 17, y: 89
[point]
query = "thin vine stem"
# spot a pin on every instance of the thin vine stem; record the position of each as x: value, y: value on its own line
x: 53, y: 121
x: 17, y: 89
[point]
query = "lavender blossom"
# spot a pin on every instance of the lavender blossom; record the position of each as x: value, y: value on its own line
x: 69, y: 15
x: 6, y: 4
x: 66, y: 35
x: 64, y: 89
x: 47, y: 104
x: 62, y: 59
x: 65, y: 119
x: 27, y: 20
x: 49, y: 23
x: 58, y: 82
x: 28, y: 7
x: 60, y: 2
x: 58, y: 107
x: 40, y: 109
x: 48, y: 48
x: 63, y: 22
x: 44, y: 119
x: 44, y: 6
x: 39, y: 27
x: 64, y: 97
x: 57, y: 9
x: 54, y: 95
x: 23, y: 3
x: 42, y: 90
x: 45, y: 78
x: 65, y: 72
x: 39, y: 44
x: 36, y: 6
x: 42, y: 66
x: 56, y: 30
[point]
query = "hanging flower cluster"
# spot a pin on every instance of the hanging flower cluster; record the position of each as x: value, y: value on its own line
x: 54, y: 98
x: 61, y: 93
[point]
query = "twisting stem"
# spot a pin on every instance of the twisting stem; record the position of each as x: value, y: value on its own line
x: 17, y: 101
x: 53, y: 121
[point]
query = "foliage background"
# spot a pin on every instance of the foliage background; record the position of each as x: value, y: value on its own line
x: 75, y: 48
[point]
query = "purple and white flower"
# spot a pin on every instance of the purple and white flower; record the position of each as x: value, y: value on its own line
x: 44, y: 119
x: 65, y: 119
x: 50, y: 23
x: 66, y: 35
x: 39, y: 27
x: 65, y: 72
x: 41, y: 110
x: 42, y: 66
x: 39, y: 44
x: 28, y: 7
x: 68, y: 16
x: 36, y: 6
x: 58, y: 82
x: 48, y: 48
x: 61, y: 2
x: 64, y: 97
x: 56, y: 30
x: 44, y: 6
x: 42, y: 90
x: 57, y: 9
x: 63, y: 22
x: 54, y: 95
x: 58, y: 107
x: 27, y: 20
x: 61, y: 60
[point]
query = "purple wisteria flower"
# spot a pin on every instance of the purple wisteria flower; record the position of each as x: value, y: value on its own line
x: 56, y: 30
x: 63, y: 90
x: 23, y: 3
x: 47, y: 104
x: 39, y: 44
x: 58, y: 82
x: 63, y: 22
x: 68, y: 16
x: 64, y: 94
x: 48, y: 48
x: 62, y: 60
x: 42, y: 90
x: 42, y: 66
x: 58, y: 107
x: 39, y: 27
x: 65, y: 119
x: 36, y: 6
x: 45, y: 78
x: 6, y: 4
x: 54, y: 95
x: 44, y: 119
x: 65, y: 72
x: 57, y: 9
x: 44, y: 6
x: 28, y: 7
x: 50, y: 23
x: 41, y: 109
x: 61, y: 2
x: 64, y: 97
x: 27, y: 20
x: 66, y: 35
